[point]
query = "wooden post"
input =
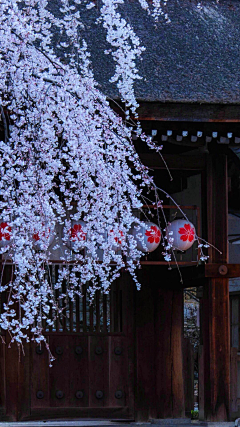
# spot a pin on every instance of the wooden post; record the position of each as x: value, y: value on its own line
x: 145, y: 375
x: 168, y: 353
x: 188, y: 368
x: 216, y: 328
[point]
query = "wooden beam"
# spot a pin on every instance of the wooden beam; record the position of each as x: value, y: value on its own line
x: 189, y: 112
x: 222, y: 270
x: 178, y: 162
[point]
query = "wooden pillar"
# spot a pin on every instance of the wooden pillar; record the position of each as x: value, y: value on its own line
x: 145, y: 390
x: 216, y: 329
x: 168, y: 353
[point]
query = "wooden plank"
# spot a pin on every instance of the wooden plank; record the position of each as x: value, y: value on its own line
x: 77, y: 313
x: 121, y: 413
x: 98, y: 371
x: 112, y: 309
x: 57, y: 381
x: 118, y: 372
x: 91, y: 316
x: 128, y: 288
x: 24, y: 383
x: 234, y: 379
x: 104, y: 327
x: 39, y: 376
x: 145, y: 357
x: 84, y: 308
x: 11, y: 373
x: 97, y: 311
x: 70, y: 315
x: 168, y: 347
x: 77, y: 372
x: 57, y: 319
x: 65, y: 307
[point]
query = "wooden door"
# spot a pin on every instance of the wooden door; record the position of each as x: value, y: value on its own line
x: 93, y: 350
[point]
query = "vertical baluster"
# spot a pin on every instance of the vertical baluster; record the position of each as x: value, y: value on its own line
x: 97, y: 311
x: 105, y: 329
x: 116, y: 310
x: 91, y: 316
x: 64, y: 302
x: 54, y: 278
x: 112, y: 311
x: 70, y: 314
x: 84, y: 305
x: 77, y: 313
x: 119, y: 311
x: 108, y: 299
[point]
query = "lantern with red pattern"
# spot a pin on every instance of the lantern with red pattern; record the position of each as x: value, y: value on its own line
x: 43, y: 238
x: 76, y: 235
x: 148, y: 236
x: 118, y: 238
x: 181, y: 234
x: 5, y: 234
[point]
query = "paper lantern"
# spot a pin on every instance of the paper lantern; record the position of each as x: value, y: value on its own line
x: 149, y: 234
x: 183, y: 234
x: 5, y: 234
x: 118, y: 238
x: 77, y: 235
x: 43, y: 238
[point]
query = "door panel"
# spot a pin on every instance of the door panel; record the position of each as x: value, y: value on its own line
x: 89, y: 376
x: 39, y: 377
x: 78, y: 372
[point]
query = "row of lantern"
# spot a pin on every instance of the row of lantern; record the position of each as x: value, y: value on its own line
x: 180, y: 234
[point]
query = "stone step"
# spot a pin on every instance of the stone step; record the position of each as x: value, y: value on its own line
x: 124, y: 423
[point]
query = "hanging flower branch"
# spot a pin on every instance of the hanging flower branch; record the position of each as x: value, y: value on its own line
x: 65, y: 161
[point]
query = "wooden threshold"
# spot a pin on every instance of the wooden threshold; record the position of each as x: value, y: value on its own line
x: 87, y: 412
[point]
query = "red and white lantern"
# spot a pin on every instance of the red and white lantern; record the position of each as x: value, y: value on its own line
x: 5, y: 234
x: 43, y: 238
x: 118, y: 238
x: 148, y: 236
x: 181, y: 234
x: 76, y: 235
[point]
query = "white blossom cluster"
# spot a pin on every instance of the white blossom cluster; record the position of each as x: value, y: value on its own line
x: 65, y: 156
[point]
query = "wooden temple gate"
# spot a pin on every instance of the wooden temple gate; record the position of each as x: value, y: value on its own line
x: 122, y: 357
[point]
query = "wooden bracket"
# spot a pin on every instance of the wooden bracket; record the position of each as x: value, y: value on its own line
x: 222, y: 270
